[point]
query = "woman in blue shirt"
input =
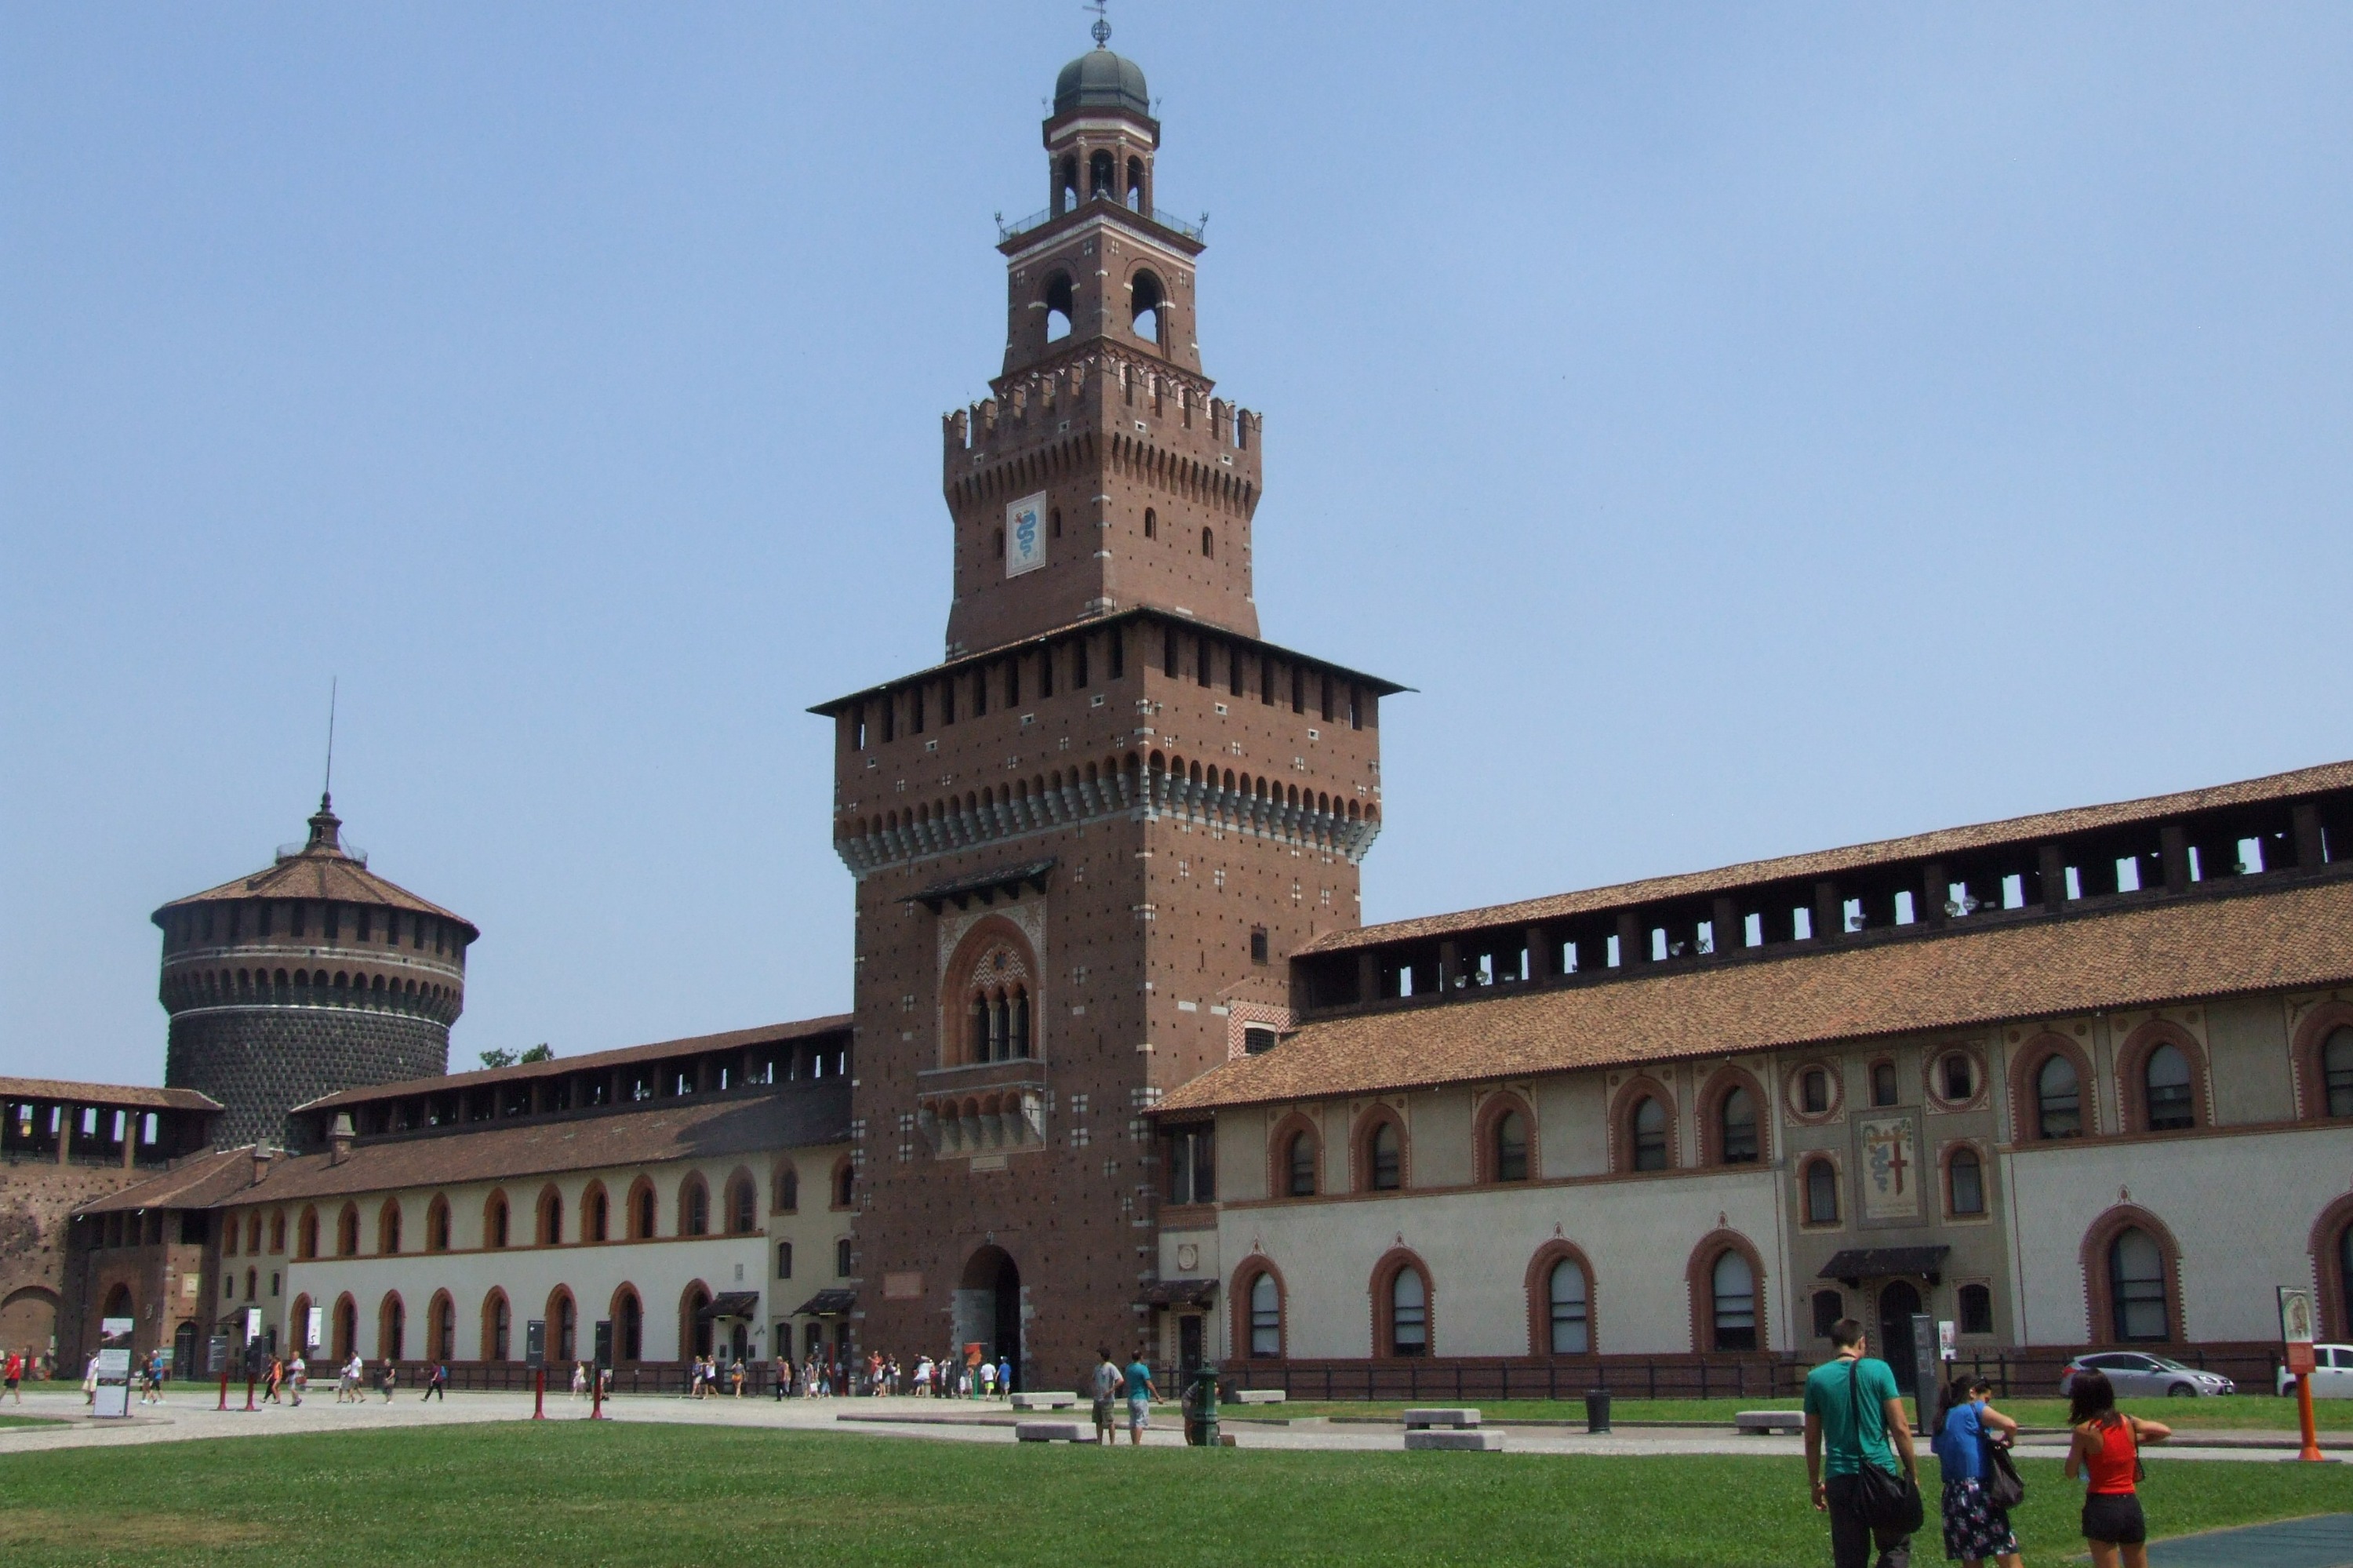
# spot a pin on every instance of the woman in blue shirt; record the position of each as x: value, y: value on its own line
x: 1975, y: 1530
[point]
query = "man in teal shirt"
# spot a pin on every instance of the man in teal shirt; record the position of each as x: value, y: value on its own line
x: 1140, y: 1395
x: 1853, y: 1410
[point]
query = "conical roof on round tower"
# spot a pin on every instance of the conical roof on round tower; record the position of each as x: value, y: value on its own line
x: 322, y: 869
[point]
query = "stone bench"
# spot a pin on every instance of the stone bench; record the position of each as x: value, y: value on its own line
x: 1051, y: 1432
x: 1045, y: 1400
x: 1470, y: 1438
x: 1260, y: 1396
x: 1765, y: 1423
x: 1458, y: 1417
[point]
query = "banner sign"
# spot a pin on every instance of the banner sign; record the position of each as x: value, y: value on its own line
x: 1025, y: 534
x: 314, y: 1332
x: 2295, y: 1328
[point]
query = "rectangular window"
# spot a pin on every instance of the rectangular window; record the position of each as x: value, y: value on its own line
x: 1175, y: 663
x: 915, y: 710
x: 890, y: 718
x: 1046, y: 671
x: 1079, y: 664
x: 979, y: 692
x: 1266, y: 679
x: 857, y: 727
x: 1118, y: 638
x: 1258, y: 947
x: 1235, y: 666
x: 1298, y: 689
x: 841, y: 1259
x: 1325, y: 706
x: 948, y: 700
x: 295, y: 922
x: 1013, y: 682
x: 332, y: 921
x: 1201, y: 652
x: 1192, y: 1166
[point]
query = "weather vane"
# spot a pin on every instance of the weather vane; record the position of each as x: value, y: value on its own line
x: 1102, y: 29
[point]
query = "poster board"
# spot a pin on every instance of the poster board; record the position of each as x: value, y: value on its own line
x: 315, y: 1328
x: 2297, y: 1325
x: 114, y: 1367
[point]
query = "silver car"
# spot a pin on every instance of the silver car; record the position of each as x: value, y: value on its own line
x: 2137, y: 1375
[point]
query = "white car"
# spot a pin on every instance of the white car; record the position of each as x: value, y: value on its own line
x: 2332, y: 1374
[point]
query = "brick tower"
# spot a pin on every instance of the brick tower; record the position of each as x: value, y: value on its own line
x: 1086, y: 842
x: 310, y: 976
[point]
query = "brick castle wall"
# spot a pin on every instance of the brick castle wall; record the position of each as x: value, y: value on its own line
x: 260, y: 1062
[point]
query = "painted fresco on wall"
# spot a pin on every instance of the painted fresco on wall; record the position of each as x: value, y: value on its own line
x: 1890, y: 1167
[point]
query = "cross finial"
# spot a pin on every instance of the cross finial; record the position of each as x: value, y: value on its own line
x: 1102, y: 29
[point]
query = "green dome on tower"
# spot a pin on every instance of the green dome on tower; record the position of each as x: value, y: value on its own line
x: 1101, y: 79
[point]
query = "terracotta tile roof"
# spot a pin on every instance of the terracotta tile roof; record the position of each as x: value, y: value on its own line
x: 137, y: 1096
x: 321, y: 870
x: 2148, y: 955
x: 800, y: 1028
x: 1825, y: 863
x: 700, y: 1128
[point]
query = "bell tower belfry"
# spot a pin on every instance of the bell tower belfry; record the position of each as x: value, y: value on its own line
x: 1102, y: 472
x: 1087, y: 842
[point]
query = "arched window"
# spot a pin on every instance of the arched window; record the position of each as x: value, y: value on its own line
x: 1146, y: 300
x: 1736, y: 1127
x: 1510, y: 1137
x: 2058, y: 1100
x: 1265, y: 1316
x: 786, y: 1198
x: 845, y: 1185
x: 1569, y: 1308
x: 563, y: 1326
x: 437, y: 1225
x: 1103, y: 176
x: 1734, y: 1285
x: 595, y: 1214
x: 742, y: 1206
x: 2136, y: 1286
x: 494, y: 1221
x: 1965, y: 1182
x: 1821, y: 1192
x: 1648, y: 1127
x: 497, y: 1323
x: 551, y: 1218
x: 306, y: 1233
x: 1976, y: 1302
x: 1386, y: 1162
x: 1151, y: 523
x: 1299, y: 1166
x: 1814, y: 1091
x: 1829, y: 1308
x: 641, y: 1211
x: 693, y: 1208
x: 1209, y: 543
x: 277, y: 1228
x: 2164, y: 1081
x: 1059, y: 307
x: 387, y: 1227
x: 347, y: 1328
x: 1955, y: 1077
x: 1408, y: 1313
x: 347, y: 1232
x: 442, y: 1327
x: 2337, y: 1071
x: 629, y: 1326
x: 1883, y: 1084
x: 392, y: 1329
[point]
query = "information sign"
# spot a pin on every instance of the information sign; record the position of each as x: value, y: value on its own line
x: 604, y: 1344
x: 314, y: 1332
x: 114, y: 1367
x: 2296, y: 1327
x: 535, y: 1342
x: 216, y: 1355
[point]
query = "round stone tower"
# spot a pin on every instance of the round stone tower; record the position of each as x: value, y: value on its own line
x: 310, y: 976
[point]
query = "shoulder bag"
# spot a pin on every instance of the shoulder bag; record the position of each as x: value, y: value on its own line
x: 2004, y: 1488
x: 1884, y: 1500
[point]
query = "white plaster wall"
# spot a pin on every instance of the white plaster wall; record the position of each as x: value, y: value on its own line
x: 1571, y: 1133
x: 2242, y: 1209
x: 1638, y: 1235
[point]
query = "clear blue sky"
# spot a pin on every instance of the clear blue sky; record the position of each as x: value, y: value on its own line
x: 1750, y: 429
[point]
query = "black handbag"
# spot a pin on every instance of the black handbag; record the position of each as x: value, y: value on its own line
x: 1884, y: 1500
x: 2004, y: 1488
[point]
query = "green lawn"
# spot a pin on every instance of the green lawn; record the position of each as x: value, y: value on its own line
x: 2238, y: 1413
x: 627, y: 1493
x: 28, y: 1421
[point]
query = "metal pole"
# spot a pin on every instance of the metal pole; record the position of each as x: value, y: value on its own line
x: 539, y: 1394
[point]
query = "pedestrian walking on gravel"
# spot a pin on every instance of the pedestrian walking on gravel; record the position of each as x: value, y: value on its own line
x: 1140, y: 1395
x: 1977, y: 1527
x: 2105, y: 1453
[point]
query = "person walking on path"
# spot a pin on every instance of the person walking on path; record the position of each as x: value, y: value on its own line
x: 89, y: 1380
x: 391, y: 1379
x: 437, y: 1384
x: 13, y: 1373
x: 298, y: 1372
x: 1853, y: 1411
x: 271, y: 1379
x: 579, y: 1380
x: 784, y: 1376
x: 1140, y: 1395
x: 1976, y: 1532
x: 735, y: 1378
x: 1005, y: 1375
x: 2107, y: 1453
x: 1107, y: 1379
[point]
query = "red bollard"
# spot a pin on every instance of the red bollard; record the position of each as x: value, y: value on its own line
x: 597, y: 1396
x: 248, y: 1393
x: 223, y: 1403
x: 2311, y: 1451
x: 539, y: 1394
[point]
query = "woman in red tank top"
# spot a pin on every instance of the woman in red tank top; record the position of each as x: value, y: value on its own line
x: 2107, y: 1453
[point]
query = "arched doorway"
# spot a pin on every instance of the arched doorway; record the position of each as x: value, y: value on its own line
x: 28, y: 1320
x: 184, y: 1352
x: 988, y: 1307
x: 1897, y: 1301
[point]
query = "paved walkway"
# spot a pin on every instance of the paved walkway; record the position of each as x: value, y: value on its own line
x: 191, y: 1413
x: 2324, y: 1540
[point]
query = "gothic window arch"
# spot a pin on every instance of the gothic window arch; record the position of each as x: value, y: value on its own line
x: 1404, y: 1306
x: 742, y: 1204
x: 1733, y: 1129
x: 306, y: 1233
x: 641, y: 1210
x: 785, y: 1190
x: 628, y: 1325
x: 995, y: 974
x: 1506, y: 1132
x: 1818, y: 1196
x: 387, y: 1227
x: 442, y: 1327
x: 1061, y: 301
x: 392, y: 1329
x: 844, y: 1191
x: 2163, y: 1072
x: 1295, y: 1158
x: 2132, y: 1279
x: 694, y: 1206
x: 1965, y: 1182
x: 1382, y: 1151
x: 346, y: 1327
x: 347, y: 1232
x: 596, y: 1214
x: 1644, y: 1128
x: 1147, y: 305
x: 550, y: 1231
x: 437, y: 1225
x: 494, y: 1221
x: 2051, y: 1102
x: 2324, y: 1063
x: 498, y: 1326
x: 1560, y: 1301
x: 2332, y: 1259
x: 1258, y: 1309
x: 563, y: 1325
x: 1727, y: 1287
